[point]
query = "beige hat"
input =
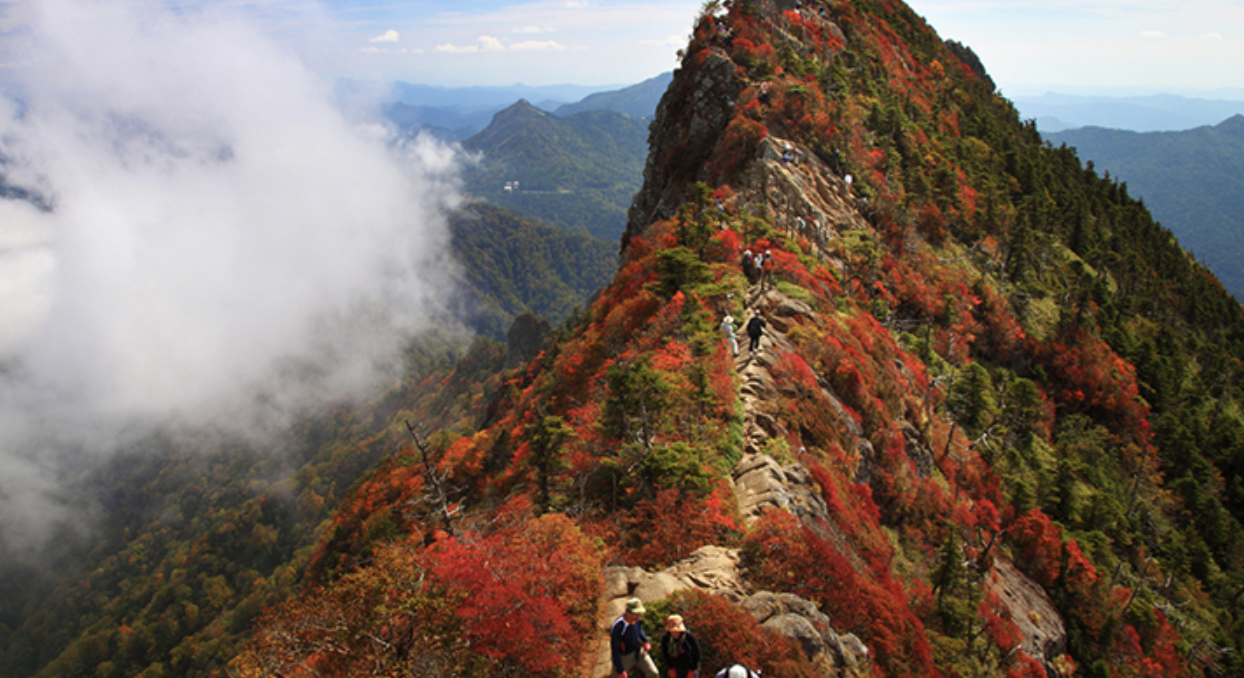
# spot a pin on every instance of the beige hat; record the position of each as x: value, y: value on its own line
x: 635, y: 605
x: 674, y: 623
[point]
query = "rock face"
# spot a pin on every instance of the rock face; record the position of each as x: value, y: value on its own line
x: 761, y: 484
x: 1042, y: 629
x: 800, y: 620
x: 691, y: 116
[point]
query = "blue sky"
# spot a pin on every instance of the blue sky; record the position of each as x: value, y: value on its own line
x: 1028, y: 46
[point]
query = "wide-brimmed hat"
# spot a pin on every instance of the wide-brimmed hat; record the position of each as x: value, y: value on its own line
x: 635, y: 605
x: 674, y: 623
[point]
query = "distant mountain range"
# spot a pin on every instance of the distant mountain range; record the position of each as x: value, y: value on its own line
x: 1160, y: 112
x: 578, y: 172
x: 456, y: 113
x: 638, y: 100
x: 1192, y: 181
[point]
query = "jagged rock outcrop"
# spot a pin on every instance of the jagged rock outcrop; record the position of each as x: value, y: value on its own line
x: 690, y: 118
x: 800, y: 620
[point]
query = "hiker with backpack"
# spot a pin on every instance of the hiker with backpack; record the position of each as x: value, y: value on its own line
x: 680, y: 649
x: 727, y: 328
x: 749, y: 267
x: 628, y: 644
x: 766, y: 270
x: 755, y: 328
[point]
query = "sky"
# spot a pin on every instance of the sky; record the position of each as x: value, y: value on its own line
x: 1028, y: 46
x: 1124, y: 46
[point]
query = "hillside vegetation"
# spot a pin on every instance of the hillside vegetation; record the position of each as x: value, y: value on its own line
x: 993, y: 428
x: 1192, y: 181
x: 199, y: 531
x: 987, y: 370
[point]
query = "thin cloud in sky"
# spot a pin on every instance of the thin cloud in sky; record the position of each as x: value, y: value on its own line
x: 387, y: 36
x: 538, y: 46
x: 1104, y: 45
x: 599, y: 32
x: 486, y: 43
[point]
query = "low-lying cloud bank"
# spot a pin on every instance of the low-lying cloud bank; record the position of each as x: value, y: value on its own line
x: 189, y: 221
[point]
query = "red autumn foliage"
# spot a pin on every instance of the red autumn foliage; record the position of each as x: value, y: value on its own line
x: 728, y: 634
x: 782, y: 553
x: 1039, y: 544
x: 675, y: 523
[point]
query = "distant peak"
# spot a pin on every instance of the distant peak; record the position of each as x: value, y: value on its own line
x: 1233, y: 125
x: 518, y: 112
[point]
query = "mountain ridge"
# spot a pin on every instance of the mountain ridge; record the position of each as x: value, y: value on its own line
x: 982, y: 354
x: 988, y: 370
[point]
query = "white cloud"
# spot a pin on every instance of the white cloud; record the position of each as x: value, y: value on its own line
x: 387, y: 36
x: 223, y: 243
x: 1212, y: 36
x: 534, y: 46
x: 1152, y: 34
x: 486, y: 43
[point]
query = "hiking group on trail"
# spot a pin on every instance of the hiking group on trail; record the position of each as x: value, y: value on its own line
x: 631, y: 650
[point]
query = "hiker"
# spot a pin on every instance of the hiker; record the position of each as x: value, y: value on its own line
x: 680, y: 649
x: 755, y: 328
x: 737, y: 671
x: 766, y: 270
x: 749, y: 267
x: 727, y: 328
x: 846, y: 183
x: 628, y: 644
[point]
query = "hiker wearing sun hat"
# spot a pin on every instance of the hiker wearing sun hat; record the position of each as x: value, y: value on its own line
x: 680, y: 649
x: 628, y: 644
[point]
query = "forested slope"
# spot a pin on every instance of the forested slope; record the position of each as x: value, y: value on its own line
x: 980, y: 353
x: 1191, y: 181
x: 986, y: 370
x: 195, y: 532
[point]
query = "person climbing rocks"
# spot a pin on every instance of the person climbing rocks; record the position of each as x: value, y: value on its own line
x: 755, y: 328
x: 737, y: 671
x: 766, y: 270
x: 727, y: 328
x: 749, y: 267
x: 680, y: 649
x: 629, y: 646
